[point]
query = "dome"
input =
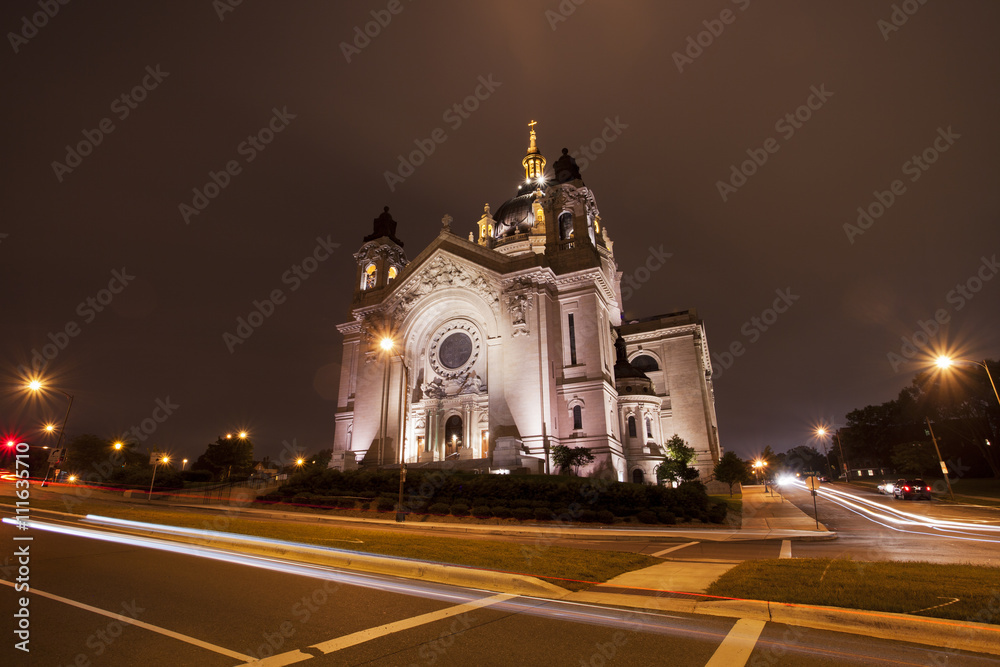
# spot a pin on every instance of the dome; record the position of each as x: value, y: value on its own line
x: 628, y: 378
x: 515, y: 216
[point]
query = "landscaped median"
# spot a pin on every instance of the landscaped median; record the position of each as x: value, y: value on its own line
x: 959, y: 592
x: 572, y: 569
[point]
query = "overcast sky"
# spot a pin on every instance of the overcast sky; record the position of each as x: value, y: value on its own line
x: 669, y: 98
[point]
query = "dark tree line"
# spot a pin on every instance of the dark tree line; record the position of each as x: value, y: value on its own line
x: 963, y: 411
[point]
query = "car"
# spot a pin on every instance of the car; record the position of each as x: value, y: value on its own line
x: 886, y: 487
x: 911, y: 489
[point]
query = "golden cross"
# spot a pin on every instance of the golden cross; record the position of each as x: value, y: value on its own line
x: 532, y: 125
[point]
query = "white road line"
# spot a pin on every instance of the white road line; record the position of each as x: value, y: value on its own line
x: 363, y: 636
x: 679, y: 546
x: 137, y: 623
x: 786, y: 549
x: 736, y: 648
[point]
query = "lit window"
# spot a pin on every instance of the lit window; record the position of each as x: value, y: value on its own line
x: 392, y: 273
x: 368, y: 281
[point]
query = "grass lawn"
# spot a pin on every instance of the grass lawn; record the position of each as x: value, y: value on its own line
x: 573, y: 569
x: 923, y: 589
x: 735, y: 505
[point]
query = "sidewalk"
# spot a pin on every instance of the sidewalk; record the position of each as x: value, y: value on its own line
x: 765, y: 516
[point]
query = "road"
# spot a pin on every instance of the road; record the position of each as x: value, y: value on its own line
x: 188, y: 609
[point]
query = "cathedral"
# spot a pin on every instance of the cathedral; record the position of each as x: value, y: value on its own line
x: 485, y: 352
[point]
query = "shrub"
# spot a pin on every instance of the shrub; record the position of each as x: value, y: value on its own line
x: 196, y: 476
x: 502, y: 512
x: 439, y: 508
x: 604, y: 516
x: 647, y: 516
x: 587, y: 516
x: 482, y: 512
x: 460, y: 509
x: 523, y: 513
x: 666, y: 517
x: 543, y: 514
x: 385, y: 505
x: 717, y: 513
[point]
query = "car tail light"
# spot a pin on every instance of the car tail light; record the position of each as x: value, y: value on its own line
x: 928, y: 488
x: 906, y: 488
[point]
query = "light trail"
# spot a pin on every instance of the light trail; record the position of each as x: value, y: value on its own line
x: 899, y: 520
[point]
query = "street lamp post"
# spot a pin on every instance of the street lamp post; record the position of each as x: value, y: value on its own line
x: 945, y: 362
x: 388, y: 345
x: 156, y: 462
x: 36, y: 386
x: 822, y: 432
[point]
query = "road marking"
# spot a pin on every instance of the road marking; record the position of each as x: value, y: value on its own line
x: 736, y: 648
x: 679, y: 546
x: 363, y: 636
x: 786, y: 549
x: 131, y: 621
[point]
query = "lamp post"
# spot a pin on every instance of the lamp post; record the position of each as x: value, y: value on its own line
x: 36, y: 386
x: 944, y: 362
x: 165, y: 460
x: 388, y: 345
x: 822, y: 432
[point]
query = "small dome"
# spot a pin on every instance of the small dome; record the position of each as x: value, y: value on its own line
x: 628, y: 377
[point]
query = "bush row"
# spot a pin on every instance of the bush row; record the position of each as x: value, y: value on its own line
x: 540, y: 497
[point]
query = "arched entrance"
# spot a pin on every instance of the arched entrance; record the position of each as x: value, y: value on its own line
x: 453, y: 435
x: 638, y: 477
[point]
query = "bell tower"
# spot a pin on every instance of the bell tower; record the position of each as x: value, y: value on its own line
x: 380, y: 259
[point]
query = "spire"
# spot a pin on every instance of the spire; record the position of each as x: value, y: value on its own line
x: 534, y: 161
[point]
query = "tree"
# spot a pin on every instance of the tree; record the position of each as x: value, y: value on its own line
x: 802, y: 459
x: 731, y: 469
x: 917, y: 458
x: 674, y: 467
x: 226, y: 457
x: 566, y: 458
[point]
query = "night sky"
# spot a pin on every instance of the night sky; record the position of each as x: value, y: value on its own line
x: 666, y: 96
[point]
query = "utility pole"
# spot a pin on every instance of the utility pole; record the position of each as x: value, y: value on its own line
x: 944, y: 468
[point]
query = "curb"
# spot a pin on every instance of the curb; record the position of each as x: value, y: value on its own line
x: 940, y: 633
x: 455, y: 575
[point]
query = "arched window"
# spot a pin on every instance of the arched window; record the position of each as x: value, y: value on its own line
x: 392, y: 274
x: 577, y: 418
x: 565, y: 225
x: 631, y: 426
x: 649, y: 427
x: 368, y: 279
x: 645, y: 363
x: 637, y: 476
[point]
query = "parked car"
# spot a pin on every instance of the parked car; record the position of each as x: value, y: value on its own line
x: 886, y: 487
x: 911, y: 489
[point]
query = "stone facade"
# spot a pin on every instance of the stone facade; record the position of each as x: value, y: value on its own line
x: 490, y: 351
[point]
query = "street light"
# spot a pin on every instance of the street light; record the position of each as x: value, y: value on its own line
x: 165, y: 460
x: 388, y: 345
x: 944, y: 362
x: 36, y: 386
x: 822, y: 432
x: 184, y: 462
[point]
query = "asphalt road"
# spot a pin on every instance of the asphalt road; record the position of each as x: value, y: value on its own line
x: 182, y: 609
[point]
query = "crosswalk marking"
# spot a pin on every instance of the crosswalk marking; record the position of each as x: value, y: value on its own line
x: 679, y: 546
x: 736, y: 648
